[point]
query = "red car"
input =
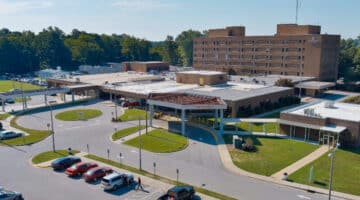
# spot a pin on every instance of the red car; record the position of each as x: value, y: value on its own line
x: 130, y: 104
x: 96, y: 173
x: 79, y: 168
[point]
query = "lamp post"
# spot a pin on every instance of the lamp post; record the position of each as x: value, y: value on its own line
x: 52, y: 125
x: 140, y: 143
x: 331, y: 156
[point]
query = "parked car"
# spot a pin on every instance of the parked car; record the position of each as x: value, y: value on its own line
x: 80, y: 168
x: 115, y: 180
x: 96, y: 173
x: 64, y: 162
x: 10, y: 195
x: 1, y: 126
x: 10, y: 101
x: 130, y: 104
x: 4, y: 135
x: 179, y: 193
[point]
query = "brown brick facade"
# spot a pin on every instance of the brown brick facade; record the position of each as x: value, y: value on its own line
x: 294, y: 50
x: 145, y: 66
x: 201, y: 79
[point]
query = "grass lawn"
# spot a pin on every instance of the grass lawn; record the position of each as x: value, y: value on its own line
x: 272, y: 155
x: 133, y: 114
x: 258, y: 127
x: 346, y: 172
x: 33, y: 137
x: 4, y: 116
x: 157, y: 177
x: 50, y: 155
x: 7, y: 85
x: 160, y: 141
x: 73, y: 115
x: 125, y: 132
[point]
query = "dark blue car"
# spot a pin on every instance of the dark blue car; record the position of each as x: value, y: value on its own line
x: 64, y: 162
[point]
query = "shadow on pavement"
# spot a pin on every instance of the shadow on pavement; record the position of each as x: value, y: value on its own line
x: 122, y: 190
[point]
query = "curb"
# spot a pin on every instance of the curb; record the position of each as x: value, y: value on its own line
x: 229, y: 165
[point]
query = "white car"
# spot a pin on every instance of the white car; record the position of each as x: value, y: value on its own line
x: 9, y: 134
x: 115, y: 180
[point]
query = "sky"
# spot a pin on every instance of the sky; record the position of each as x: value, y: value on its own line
x: 155, y: 19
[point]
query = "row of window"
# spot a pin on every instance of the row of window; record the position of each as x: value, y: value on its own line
x: 268, y: 50
x: 250, y: 42
x: 253, y: 57
x: 256, y: 64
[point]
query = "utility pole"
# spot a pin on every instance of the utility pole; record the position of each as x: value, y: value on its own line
x: 52, y: 126
x: 331, y: 155
x: 140, y: 143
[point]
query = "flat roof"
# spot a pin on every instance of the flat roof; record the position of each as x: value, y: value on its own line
x: 230, y: 91
x: 321, y: 109
x: 316, y: 85
x: 202, y: 72
x: 268, y: 79
x: 100, y: 79
x: 185, y: 99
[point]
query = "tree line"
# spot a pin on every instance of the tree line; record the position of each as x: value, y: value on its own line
x: 24, y: 52
x: 349, y: 61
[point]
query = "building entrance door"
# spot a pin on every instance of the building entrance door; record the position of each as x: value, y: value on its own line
x: 328, y: 139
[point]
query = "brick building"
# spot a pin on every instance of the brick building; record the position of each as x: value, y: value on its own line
x: 145, y: 66
x: 293, y: 50
x: 323, y: 122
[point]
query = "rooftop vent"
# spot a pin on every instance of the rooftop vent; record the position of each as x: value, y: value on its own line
x: 329, y: 104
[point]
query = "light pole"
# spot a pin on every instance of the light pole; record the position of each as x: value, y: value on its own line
x: 331, y: 156
x: 140, y: 167
x: 52, y: 125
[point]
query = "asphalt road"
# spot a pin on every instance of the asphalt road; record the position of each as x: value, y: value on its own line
x: 199, y: 164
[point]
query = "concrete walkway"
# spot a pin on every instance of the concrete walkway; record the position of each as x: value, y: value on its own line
x: 132, y: 136
x: 302, y: 162
x: 230, y: 166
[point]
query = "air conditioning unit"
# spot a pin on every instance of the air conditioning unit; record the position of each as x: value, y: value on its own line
x: 329, y: 104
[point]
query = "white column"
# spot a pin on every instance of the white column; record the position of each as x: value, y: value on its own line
x: 110, y: 96
x: 45, y: 99
x: 276, y: 128
x: 3, y: 105
x: 72, y: 97
x: 216, y: 118
x: 151, y: 115
x: 64, y: 97
x: 221, y: 121
x: 182, y: 122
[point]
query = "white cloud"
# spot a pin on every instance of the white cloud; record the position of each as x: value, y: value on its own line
x: 142, y: 4
x: 11, y: 7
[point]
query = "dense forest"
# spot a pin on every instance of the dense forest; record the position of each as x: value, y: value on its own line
x: 23, y: 52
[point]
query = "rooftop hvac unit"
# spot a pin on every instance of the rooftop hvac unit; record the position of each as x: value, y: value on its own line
x: 329, y: 104
x: 77, y: 79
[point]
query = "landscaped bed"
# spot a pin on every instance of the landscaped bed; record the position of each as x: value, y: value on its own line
x: 353, y: 99
x: 125, y: 132
x: 133, y: 114
x: 272, y: 154
x: 160, y: 141
x: 50, y: 155
x: 78, y: 114
x: 346, y: 172
x: 4, y: 116
x: 32, y: 137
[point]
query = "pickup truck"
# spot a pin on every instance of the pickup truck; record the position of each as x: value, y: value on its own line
x: 179, y: 193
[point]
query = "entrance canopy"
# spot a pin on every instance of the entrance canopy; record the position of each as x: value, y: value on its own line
x: 183, y: 102
x: 186, y: 101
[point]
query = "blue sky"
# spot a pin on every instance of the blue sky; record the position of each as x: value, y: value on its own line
x: 154, y: 19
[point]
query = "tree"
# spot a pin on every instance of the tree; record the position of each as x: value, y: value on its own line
x: 185, y: 45
x: 284, y: 82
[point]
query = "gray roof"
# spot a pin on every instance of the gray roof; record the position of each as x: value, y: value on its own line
x: 229, y: 93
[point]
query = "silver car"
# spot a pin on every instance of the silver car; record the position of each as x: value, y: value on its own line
x: 9, y: 134
x: 115, y: 180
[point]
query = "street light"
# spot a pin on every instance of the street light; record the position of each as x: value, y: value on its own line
x: 331, y: 156
x: 140, y: 143
x: 52, y: 125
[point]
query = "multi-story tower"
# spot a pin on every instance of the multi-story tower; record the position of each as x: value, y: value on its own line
x: 293, y: 50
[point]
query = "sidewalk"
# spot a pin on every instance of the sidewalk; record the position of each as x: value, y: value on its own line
x: 230, y: 166
x: 302, y: 162
x: 132, y: 136
x: 145, y: 180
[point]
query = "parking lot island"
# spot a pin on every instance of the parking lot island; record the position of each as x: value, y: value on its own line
x: 78, y: 114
